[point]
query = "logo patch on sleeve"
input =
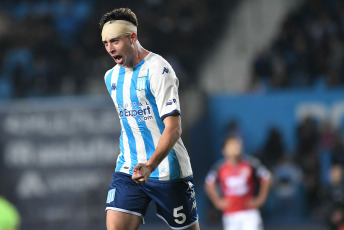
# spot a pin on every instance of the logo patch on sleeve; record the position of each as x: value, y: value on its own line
x: 170, y: 102
x: 111, y: 196
x: 166, y: 70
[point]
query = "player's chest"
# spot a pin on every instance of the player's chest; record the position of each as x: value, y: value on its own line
x: 233, y: 176
x: 131, y: 89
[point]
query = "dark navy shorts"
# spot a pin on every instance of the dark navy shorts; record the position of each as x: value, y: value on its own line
x: 175, y: 200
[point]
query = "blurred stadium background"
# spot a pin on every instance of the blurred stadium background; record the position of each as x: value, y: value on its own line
x: 269, y: 70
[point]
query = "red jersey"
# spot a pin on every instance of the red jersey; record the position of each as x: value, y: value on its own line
x: 238, y: 182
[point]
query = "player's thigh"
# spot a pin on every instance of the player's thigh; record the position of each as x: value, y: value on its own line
x: 116, y: 220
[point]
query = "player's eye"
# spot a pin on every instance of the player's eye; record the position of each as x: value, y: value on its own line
x: 114, y: 41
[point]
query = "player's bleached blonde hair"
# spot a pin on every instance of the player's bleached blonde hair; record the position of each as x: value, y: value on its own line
x: 125, y: 14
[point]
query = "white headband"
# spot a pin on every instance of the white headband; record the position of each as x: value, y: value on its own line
x: 118, y: 28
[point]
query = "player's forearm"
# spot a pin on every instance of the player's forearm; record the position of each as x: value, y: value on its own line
x: 166, y: 142
x: 212, y: 193
x: 263, y: 191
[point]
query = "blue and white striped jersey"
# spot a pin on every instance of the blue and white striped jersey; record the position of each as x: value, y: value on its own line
x: 143, y: 96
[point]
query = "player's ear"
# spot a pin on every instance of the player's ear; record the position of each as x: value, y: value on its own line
x: 133, y: 38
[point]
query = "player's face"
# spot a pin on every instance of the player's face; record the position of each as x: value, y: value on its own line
x: 232, y: 148
x: 120, y: 49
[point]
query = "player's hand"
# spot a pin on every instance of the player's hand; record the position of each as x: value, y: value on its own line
x: 221, y: 204
x: 254, y: 203
x: 141, y: 173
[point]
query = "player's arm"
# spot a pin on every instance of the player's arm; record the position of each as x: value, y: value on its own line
x: 265, y: 181
x: 263, y: 192
x: 210, y: 188
x: 219, y: 202
x: 168, y: 139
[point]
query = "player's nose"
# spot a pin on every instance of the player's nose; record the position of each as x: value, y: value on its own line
x: 110, y: 49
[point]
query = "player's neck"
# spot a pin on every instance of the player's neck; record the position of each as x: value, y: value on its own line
x: 139, y: 54
x: 233, y: 160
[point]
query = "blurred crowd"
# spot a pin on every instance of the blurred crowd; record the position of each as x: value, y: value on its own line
x: 307, y: 52
x: 54, y: 47
x: 308, y: 180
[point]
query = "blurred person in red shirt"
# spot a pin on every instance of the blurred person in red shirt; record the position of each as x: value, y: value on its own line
x: 239, y: 178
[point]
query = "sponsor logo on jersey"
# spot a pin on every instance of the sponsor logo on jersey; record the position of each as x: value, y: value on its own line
x: 245, y: 172
x: 132, y: 105
x: 135, y: 110
x: 113, y: 87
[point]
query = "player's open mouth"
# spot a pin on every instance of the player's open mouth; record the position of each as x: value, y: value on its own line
x: 118, y: 58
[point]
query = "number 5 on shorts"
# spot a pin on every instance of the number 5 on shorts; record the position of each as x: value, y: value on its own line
x: 178, y: 215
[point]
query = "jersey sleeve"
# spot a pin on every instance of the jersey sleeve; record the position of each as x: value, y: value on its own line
x: 164, y: 86
x: 107, y: 79
x: 213, y: 174
x: 261, y: 172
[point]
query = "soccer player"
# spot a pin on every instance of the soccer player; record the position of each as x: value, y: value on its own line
x: 236, y: 176
x: 153, y: 164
